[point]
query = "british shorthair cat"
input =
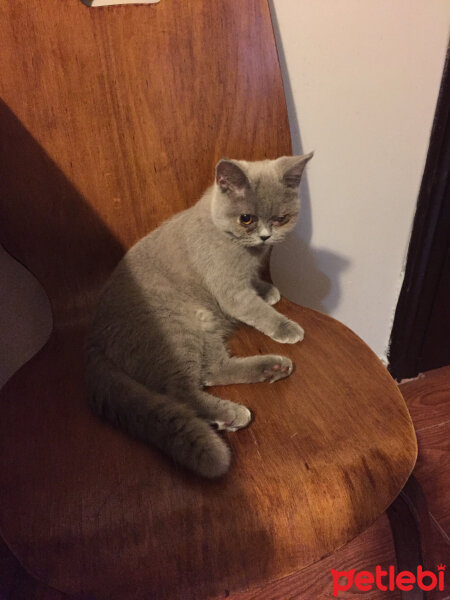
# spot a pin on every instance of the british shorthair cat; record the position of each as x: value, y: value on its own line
x: 159, y: 333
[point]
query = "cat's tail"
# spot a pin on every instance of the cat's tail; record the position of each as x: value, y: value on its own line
x: 154, y: 418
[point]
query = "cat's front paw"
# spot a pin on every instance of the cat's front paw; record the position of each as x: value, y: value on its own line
x: 268, y: 292
x: 275, y: 367
x: 288, y: 332
x: 272, y: 295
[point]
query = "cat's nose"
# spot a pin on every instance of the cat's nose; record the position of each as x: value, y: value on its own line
x: 264, y: 237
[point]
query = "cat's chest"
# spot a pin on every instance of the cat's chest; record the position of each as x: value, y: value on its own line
x: 240, y: 258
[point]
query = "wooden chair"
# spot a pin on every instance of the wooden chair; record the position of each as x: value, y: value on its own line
x: 113, y: 119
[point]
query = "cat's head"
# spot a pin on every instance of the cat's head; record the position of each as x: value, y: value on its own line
x: 257, y: 203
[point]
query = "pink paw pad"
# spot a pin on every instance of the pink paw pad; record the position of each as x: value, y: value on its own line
x: 270, y: 374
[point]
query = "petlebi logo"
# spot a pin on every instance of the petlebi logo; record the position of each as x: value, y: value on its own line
x: 388, y: 580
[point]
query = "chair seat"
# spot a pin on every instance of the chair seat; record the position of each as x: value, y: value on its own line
x: 97, y: 515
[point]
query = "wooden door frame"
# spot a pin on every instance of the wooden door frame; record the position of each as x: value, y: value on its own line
x: 428, y: 246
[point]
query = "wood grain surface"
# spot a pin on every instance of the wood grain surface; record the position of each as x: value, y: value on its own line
x: 112, y: 120
x: 428, y: 399
x: 371, y: 548
x: 328, y: 451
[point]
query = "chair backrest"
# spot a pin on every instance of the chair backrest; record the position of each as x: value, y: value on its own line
x: 112, y: 119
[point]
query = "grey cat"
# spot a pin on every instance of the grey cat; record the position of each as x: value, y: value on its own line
x: 159, y: 333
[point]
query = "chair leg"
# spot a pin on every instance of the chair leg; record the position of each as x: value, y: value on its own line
x: 407, y: 543
x: 415, y: 538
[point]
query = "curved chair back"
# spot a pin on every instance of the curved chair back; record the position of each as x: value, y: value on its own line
x: 112, y: 119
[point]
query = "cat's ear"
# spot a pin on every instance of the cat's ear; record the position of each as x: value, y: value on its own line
x: 230, y: 176
x: 292, y: 167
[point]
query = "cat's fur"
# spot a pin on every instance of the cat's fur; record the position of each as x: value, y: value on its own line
x: 159, y: 333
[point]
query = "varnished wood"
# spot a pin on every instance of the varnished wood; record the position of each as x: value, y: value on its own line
x: 417, y: 542
x: 17, y: 584
x: 134, y: 104
x: 419, y: 536
x: 113, y: 121
x: 309, y: 474
x: 371, y: 548
x: 406, y: 522
x: 428, y: 399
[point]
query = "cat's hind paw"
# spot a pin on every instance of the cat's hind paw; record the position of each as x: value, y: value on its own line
x: 241, y: 418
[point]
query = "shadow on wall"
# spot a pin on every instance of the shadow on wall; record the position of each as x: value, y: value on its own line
x: 306, y: 275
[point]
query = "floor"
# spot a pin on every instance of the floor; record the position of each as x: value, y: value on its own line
x: 428, y: 399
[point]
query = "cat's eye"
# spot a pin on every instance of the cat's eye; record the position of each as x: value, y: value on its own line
x: 247, y: 219
x: 281, y: 220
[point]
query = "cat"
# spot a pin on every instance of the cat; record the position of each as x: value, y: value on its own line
x: 159, y: 333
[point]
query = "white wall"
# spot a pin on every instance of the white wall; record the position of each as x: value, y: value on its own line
x: 25, y: 316
x: 361, y: 80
